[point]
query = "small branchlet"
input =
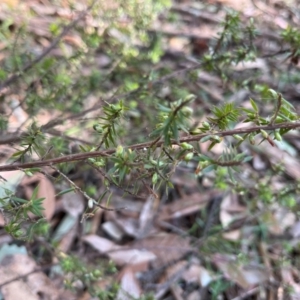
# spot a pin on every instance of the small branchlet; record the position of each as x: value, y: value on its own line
x: 173, y: 119
x: 113, y: 114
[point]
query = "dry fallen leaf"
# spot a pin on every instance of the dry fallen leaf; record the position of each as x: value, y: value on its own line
x: 68, y: 238
x: 277, y: 156
x: 288, y: 279
x: 73, y: 203
x: 120, y: 255
x: 129, y: 285
x: 278, y: 220
x: 29, y: 288
x: 245, y: 276
x: 131, y: 256
x: 197, y: 273
x: 46, y: 190
x: 162, y: 243
x: 113, y: 230
x: 187, y: 205
x: 100, y: 244
x: 231, y: 210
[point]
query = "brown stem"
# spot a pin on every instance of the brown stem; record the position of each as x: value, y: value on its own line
x: 107, y: 153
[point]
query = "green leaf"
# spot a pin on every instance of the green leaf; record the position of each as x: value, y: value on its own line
x: 164, y: 108
x: 208, y: 169
x: 18, y: 153
x: 253, y: 104
x: 122, y: 173
x: 66, y: 191
x: 34, y: 194
x: 212, y: 145
x: 247, y: 110
x: 102, y: 196
x: 154, y: 178
x: 273, y: 93
x: 230, y: 174
x: 19, y: 199
x: 170, y: 184
x: 239, y: 156
x: 247, y: 158
x: 108, y: 199
x: 205, y: 139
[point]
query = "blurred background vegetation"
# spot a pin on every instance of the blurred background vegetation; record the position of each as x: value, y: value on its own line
x: 174, y: 207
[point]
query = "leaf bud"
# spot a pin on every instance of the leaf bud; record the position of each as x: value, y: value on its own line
x: 238, y: 137
x: 154, y: 178
x: 264, y: 133
x: 114, y: 107
x: 203, y: 164
x: 189, y: 156
x: 98, y: 128
x: 189, y: 97
x: 18, y: 233
x: 206, y: 125
x: 100, y: 164
x: 278, y: 135
x: 196, y: 131
x: 251, y: 139
x: 119, y: 150
x: 186, y: 146
x: 153, y: 162
x: 205, y: 139
x: 273, y: 93
x: 187, y: 111
x: 215, y: 138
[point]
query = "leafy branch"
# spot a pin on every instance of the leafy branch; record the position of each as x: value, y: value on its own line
x: 146, y: 145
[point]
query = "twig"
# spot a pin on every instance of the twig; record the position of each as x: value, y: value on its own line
x: 107, y: 153
x: 168, y: 226
x: 155, y: 142
x: 283, y: 51
x: 109, y: 209
x: 84, y: 194
x: 114, y: 183
x: 70, y: 138
x: 174, y: 74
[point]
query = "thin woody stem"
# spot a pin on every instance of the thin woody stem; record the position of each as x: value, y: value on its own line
x: 107, y: 153
x: 83, y: 193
